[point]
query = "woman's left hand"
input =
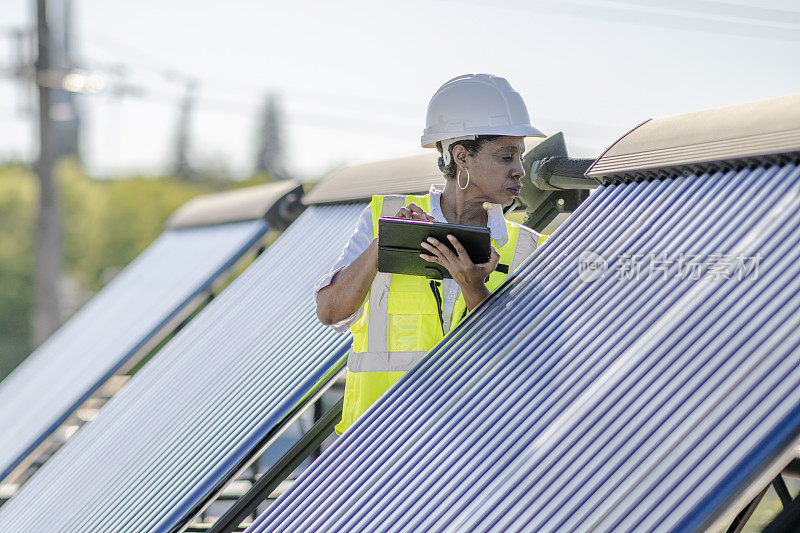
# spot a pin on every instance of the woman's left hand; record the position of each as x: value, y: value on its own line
x: 469, y: 276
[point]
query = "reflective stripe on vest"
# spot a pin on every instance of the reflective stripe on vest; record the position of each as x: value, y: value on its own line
x: 383, y: 361
x: 378, y: 323
x: 523, y: 250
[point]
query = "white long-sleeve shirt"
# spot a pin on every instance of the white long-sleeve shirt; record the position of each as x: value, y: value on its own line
x: 363, y: 236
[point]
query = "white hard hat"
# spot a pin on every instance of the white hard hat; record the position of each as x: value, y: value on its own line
x: 476, y: 104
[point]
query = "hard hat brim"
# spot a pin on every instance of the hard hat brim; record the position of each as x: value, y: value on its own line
x: 429, y: 140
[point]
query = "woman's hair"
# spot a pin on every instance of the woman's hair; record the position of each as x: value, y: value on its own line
x: 472, y: 147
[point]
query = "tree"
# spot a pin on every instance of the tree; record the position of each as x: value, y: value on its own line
x: 106, y: 223
x: 19, y: 193
x: 269, y: 143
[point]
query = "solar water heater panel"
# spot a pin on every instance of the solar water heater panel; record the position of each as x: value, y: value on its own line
x: 639, y: 373
x: 203, y: 403
x: 116, y: 324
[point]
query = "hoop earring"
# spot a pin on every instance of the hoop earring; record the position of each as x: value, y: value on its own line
x: 458, y: 179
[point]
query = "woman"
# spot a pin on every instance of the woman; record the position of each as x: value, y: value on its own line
x: 478, y: 124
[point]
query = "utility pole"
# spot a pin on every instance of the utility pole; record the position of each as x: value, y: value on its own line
x: 269, y: 149
x: 49, y: 259
x: 22, y: 61
x: 181, y: 166
x: 63, y: 43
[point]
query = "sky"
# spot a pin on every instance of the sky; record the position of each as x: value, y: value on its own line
x: 354, y: 77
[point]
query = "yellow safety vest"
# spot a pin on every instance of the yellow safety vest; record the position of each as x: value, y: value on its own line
x: 402, y: 316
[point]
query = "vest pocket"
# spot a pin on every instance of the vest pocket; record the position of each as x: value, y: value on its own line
x: 413, y: 321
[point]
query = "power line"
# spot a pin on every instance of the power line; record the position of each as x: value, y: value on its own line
x: 394, y: 110
x: 381, y: 125
x: 705, y: 18
x: 248, y: 108
x: 147, y: 61
x: 727, y: 10
x: 363, y: 125
x: 151, y: 63
x: 330, y: 120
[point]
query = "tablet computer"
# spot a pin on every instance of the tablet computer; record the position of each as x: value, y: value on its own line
x: 399, y: 245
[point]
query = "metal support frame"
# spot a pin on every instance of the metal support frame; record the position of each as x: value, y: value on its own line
x: 261, y: 489
x: 783, y: 491
x: 741, y: 519
x: 788, y: 520
x: 793, y: 468
x: 198, y: 513
x: 318, y: 414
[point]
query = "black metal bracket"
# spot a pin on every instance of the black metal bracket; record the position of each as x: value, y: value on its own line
x: 741, y: 519
x: 783, y: 491
x: 793, y: 468
x: 787, y: 521
x: 266, y: 484
x: 554, y: 183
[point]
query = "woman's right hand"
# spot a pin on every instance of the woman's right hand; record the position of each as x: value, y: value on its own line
x: 414, y: 212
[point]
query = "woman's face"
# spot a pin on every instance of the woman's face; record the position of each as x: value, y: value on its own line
x: 495, y: 172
